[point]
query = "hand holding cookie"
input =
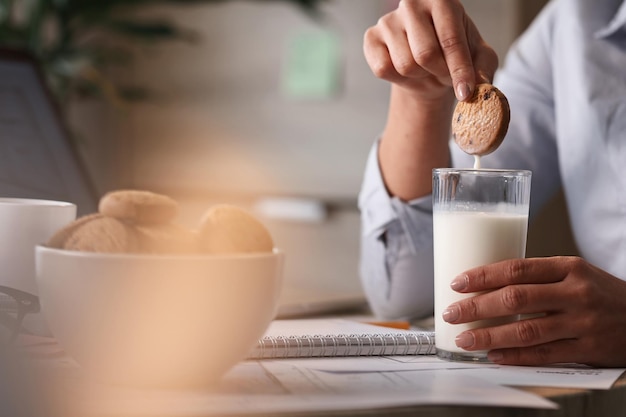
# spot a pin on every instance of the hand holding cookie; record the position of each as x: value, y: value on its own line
x: 480, y: 124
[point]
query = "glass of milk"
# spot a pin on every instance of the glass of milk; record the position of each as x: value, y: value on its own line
x: 480, y: 216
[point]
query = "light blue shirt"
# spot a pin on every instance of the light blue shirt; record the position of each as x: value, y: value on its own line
x: 565, y: 79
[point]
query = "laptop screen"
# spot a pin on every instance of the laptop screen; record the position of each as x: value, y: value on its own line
x: 37, y: 156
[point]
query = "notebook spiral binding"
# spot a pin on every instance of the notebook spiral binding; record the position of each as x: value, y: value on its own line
x: 416, y: 343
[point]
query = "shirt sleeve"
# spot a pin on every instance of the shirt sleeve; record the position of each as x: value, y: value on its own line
x: 396, y: 265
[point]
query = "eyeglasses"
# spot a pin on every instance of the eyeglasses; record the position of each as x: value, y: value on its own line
x: 14, y: 306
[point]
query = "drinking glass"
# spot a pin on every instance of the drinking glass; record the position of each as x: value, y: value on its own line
x: 480, y: 216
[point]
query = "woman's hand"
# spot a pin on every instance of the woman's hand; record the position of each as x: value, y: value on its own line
x: 424, y: 48
x: 428, y: 46
x: 580, y: 312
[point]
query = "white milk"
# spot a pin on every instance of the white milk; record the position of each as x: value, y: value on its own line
x: 476, y: 161
x: 464, y: 240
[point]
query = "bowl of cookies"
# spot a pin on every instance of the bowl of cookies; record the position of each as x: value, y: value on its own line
x: 135, y: 298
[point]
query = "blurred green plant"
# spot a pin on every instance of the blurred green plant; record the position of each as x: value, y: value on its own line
x: 78, y: 41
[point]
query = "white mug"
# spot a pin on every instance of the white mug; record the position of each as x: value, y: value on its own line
x: 25, y: 223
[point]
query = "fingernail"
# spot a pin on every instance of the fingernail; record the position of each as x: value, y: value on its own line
x: 451, y: 313
x: 464, y: 340
x: 495, y: 357
x: 462, y: 91
x: 459, y: 283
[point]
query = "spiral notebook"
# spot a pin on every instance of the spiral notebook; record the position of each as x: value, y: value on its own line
x: 306, y: 338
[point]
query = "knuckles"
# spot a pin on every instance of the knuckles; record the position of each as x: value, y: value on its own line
x: 389, y: 26
x: 468, y: 310
x: 477, y: 281
x: 585, y: 293
x: 382, y: 68
x: 584, y: 289
x: 385, y: 21
x: 541, y: 354
x: 528, y: 332
x: 379, y: 63
x: 516, y: 269
x: 451, y: 44
x: 405, y: 67
x: 427, y: 57
x: 514, y: 298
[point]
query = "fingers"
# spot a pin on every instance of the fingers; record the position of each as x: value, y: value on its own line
x: 578, y: 304
x: 388, y: 53
x: 434, y: 41
x: 400, y: 51
x: 424, y: 44
x: 450, y: 26
x: 518, y: 286
x: 560, y: 351
x: 378, y: 58
x: 515, y: 271
x: 507, y: 301
x: 522, y: 333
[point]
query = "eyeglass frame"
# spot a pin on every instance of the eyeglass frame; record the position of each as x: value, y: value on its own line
x: 26, y: 304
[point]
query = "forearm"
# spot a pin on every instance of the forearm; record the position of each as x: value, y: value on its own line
x: 415, y: 141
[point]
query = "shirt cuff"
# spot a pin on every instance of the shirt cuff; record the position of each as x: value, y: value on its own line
x: 379, y: 209
x: 416, y: 218
x: 374, y: 201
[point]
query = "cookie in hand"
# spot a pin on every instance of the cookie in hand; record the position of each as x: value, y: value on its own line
x: 480, y: 124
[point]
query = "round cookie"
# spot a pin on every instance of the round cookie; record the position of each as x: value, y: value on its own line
x: 62, y: 235
x: 140, y: 207
x: 480, y: 124
x: 229, y: 229
x: 167, y: 238
x: 103, y: 234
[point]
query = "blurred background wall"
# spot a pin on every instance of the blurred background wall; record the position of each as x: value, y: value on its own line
x: 272, y: 104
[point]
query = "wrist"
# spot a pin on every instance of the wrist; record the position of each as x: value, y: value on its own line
x: 415, y: 141
x: 438, y: 103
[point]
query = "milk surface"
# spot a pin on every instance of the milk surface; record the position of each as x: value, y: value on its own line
x: 464, y: 240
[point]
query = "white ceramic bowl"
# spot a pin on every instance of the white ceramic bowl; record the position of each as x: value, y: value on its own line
x: 158, y: 320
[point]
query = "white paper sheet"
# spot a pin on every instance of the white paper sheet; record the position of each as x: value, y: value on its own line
x: 348, y: 383
x: 381, y: 364
x: 282, y: 386
x: 556, y: 376
x: 561, y: 376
